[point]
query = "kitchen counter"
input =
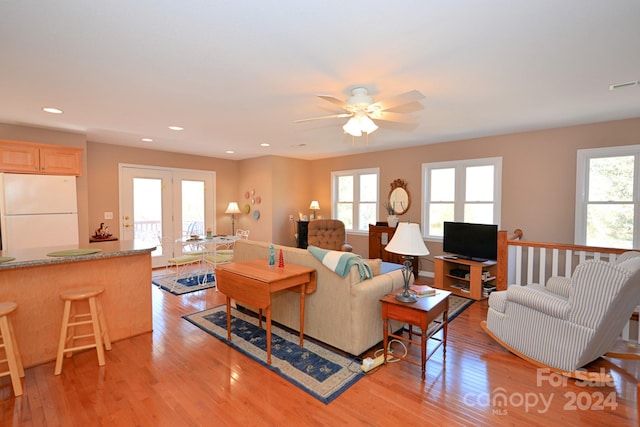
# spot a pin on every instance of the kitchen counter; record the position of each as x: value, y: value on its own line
x: 34, y: 281
x: 38, y: 256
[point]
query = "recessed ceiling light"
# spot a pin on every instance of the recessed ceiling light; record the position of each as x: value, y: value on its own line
x: 264, y: 144
x: 52, y: 110
x: 176, y: 128
x: 230, y: 152
x: 147, y: 139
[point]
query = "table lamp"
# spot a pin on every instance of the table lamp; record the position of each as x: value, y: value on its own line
x: 314, y: 206
x: 233, y: 209
x: 407, y: 241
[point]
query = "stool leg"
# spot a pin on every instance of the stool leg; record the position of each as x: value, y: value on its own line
x: 16, y: 350
x: 103, y: 326
x: 96, y: 330
x: 63, y: 337
x: 11, y: 356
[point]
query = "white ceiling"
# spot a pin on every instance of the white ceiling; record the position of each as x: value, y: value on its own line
x: 236, y: 74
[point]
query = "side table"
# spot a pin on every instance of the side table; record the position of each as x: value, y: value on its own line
x: 420, y: 313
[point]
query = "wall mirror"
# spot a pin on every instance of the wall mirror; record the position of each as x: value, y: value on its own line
x: 399, y: 197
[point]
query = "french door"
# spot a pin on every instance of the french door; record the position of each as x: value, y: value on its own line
x: 159, y: 206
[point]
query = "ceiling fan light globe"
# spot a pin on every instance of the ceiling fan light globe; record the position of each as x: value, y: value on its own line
x: 352, y: 127
x: 367, y: 125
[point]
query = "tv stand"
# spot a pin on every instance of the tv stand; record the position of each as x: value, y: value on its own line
x: 464, y: 277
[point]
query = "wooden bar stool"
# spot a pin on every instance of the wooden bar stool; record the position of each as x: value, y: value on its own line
x: 71, y: 320
x: 12, y: 355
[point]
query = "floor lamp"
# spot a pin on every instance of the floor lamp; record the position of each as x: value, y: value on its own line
x: 233, y: 209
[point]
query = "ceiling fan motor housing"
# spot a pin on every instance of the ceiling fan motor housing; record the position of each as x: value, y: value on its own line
x: 360, y: 98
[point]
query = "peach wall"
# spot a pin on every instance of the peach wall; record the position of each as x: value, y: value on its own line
x: 103, y: 161
x: 538, y: 176
x: 283, y: 186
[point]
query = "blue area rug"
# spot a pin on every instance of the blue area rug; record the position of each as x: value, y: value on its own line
x: 186, y: 284
x: 319, y: 371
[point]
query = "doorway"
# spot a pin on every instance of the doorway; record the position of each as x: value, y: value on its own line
x: 158, y: 206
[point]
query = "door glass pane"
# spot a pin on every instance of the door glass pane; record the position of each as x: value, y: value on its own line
x: 610, y: 225
x: 147, y: 212
x: 193, y: 208
x: 611, y: 179
x: 479, y: 184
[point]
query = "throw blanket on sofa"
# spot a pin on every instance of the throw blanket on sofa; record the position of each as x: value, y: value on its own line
x: 341, y: 262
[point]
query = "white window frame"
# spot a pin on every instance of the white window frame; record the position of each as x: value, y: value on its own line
x: 582, y: 187
x: 356, y: 173
x: 459, y: 200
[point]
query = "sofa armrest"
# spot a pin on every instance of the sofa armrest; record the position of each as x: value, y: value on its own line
x: 539, y: 300
x: 559, y: 286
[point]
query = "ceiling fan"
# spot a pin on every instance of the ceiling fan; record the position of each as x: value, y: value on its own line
x: 361, y: 109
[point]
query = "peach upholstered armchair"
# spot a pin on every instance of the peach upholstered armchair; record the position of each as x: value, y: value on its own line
x: 328, y: 234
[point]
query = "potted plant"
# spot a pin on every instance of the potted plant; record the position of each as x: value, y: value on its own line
x: 392, y: 218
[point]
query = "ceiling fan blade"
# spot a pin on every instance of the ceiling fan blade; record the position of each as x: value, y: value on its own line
x: 395, y: 101
x: 335, y: 116
x: 339, y: 102
x: 392, y: 117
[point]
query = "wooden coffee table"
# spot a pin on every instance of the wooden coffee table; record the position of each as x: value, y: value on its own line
x: 252, y: 282
x: 420, y: 313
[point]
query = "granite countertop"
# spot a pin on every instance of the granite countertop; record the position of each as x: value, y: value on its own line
x: 38, y: 256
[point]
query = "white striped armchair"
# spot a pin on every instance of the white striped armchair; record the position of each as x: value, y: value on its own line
x: 569, y: 322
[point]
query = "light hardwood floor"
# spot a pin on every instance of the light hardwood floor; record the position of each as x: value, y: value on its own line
x: 180, y: 376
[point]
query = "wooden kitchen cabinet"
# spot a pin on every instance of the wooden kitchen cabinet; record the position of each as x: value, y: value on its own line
x: 29, y: 157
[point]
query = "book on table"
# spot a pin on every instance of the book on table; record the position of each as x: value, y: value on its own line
x: 422, y: 290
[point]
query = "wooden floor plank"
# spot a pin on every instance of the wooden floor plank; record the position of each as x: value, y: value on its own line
x: 179, y: 375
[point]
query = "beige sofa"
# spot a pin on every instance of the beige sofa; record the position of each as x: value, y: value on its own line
x: 343, y: 312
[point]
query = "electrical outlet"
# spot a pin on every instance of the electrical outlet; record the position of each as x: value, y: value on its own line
x: 369, y: 363
x: 108, y: 215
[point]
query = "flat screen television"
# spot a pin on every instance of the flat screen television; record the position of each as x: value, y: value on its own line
x: 477, y: 242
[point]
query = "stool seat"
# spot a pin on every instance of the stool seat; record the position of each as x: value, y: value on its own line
x: 7, y: 308
x: 77, y: 294
x: 89, y: 326
x: 10, y: 346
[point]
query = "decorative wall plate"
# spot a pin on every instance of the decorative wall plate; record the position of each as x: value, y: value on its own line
x: 256, y: 214
x: 258, y: 199
x: 246, y: 195
x: 246, y: 208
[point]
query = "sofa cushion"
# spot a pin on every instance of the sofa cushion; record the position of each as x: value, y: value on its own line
x: 375, y: 265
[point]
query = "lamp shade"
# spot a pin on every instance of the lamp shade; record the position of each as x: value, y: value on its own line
x: 314, y: 206
x: 232, y: 208
x: 407, y: 240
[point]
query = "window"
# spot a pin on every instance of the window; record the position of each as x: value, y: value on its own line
x: 464, y: 191
x: 607, y: 200
x: 355, y: 198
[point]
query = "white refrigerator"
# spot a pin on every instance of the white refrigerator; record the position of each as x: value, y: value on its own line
x: 38, y: 211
